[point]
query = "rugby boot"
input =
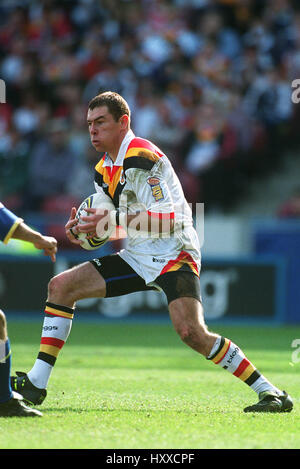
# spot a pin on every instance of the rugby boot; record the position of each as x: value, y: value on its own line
x: 271, y: 402
x: 15, y: 407
x: 31, y: 394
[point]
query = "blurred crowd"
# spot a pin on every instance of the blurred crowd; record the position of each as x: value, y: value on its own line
x: 209, y: 81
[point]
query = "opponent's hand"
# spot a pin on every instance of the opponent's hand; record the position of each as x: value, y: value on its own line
x: 49, y: 246
x: 71, y: 223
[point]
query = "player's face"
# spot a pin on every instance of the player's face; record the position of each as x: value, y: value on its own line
x: 106, y: 134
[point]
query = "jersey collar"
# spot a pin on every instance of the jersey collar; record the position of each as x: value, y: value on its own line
x: 122, y: 151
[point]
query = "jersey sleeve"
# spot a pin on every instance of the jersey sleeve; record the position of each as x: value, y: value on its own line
x: 152, y: 192
x: 8, y: 223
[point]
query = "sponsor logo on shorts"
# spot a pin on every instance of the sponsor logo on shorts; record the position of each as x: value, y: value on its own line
x: 156, y: 259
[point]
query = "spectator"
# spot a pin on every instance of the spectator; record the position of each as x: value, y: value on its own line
x: 206, y: 147
x: 14, y: 159
x: 208, y: 81
x: 50, y: 166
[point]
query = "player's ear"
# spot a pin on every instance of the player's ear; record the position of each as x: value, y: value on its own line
x: 124, y: 121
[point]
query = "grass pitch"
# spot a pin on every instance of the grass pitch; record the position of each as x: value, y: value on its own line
x: 134, y: 386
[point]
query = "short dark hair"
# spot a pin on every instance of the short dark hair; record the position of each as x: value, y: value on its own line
x: 116, y: 104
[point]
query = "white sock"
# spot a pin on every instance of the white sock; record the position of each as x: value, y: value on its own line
x: 40, y: 373
x: 230, y: 357
x: 56, y: 329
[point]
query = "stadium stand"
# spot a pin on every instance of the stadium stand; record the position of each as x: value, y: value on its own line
x: 208, y: 81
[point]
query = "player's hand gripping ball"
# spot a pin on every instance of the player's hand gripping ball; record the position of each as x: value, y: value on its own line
x: 100, y: 201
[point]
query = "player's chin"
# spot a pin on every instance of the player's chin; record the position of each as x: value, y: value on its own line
x: 98, y: 147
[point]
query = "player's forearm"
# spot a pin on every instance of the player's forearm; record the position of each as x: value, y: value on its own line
x: 25, y: 233
x: 156, y: 223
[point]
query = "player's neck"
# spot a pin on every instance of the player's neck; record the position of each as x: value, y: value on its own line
x: 113, y: 153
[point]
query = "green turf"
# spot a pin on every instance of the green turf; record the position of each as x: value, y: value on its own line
x: 137, y: 386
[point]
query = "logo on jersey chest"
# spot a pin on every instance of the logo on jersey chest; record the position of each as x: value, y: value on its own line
x: 122, y: 178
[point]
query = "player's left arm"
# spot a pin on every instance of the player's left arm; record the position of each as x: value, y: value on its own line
x: 153, y: 193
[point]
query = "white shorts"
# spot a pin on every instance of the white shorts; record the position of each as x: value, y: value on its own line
x: 149, y: 267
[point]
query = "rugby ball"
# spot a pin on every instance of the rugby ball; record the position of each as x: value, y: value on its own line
x: 101, y: 201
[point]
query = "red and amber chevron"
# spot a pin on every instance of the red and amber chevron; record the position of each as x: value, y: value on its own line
x: 139, y: 147
x: 183, y: 260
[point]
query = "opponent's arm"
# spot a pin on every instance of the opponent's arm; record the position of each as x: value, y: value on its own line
x: 12, y: 226
x: 47, y: 243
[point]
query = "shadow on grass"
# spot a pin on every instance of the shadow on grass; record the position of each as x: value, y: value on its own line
x: 147, y: 412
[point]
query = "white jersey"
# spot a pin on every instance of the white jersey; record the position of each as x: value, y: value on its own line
x: 143, y: 179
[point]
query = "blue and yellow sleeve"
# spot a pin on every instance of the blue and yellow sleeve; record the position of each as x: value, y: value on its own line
x: 8, y: 223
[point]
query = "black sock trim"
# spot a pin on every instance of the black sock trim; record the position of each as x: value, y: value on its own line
x: 220, y: 348
x: 66, y: 309
x: 252, y: 378
x: 45, y: 357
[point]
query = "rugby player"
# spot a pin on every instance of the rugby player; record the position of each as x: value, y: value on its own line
x: 11, y: 226
x: 162, y: 253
